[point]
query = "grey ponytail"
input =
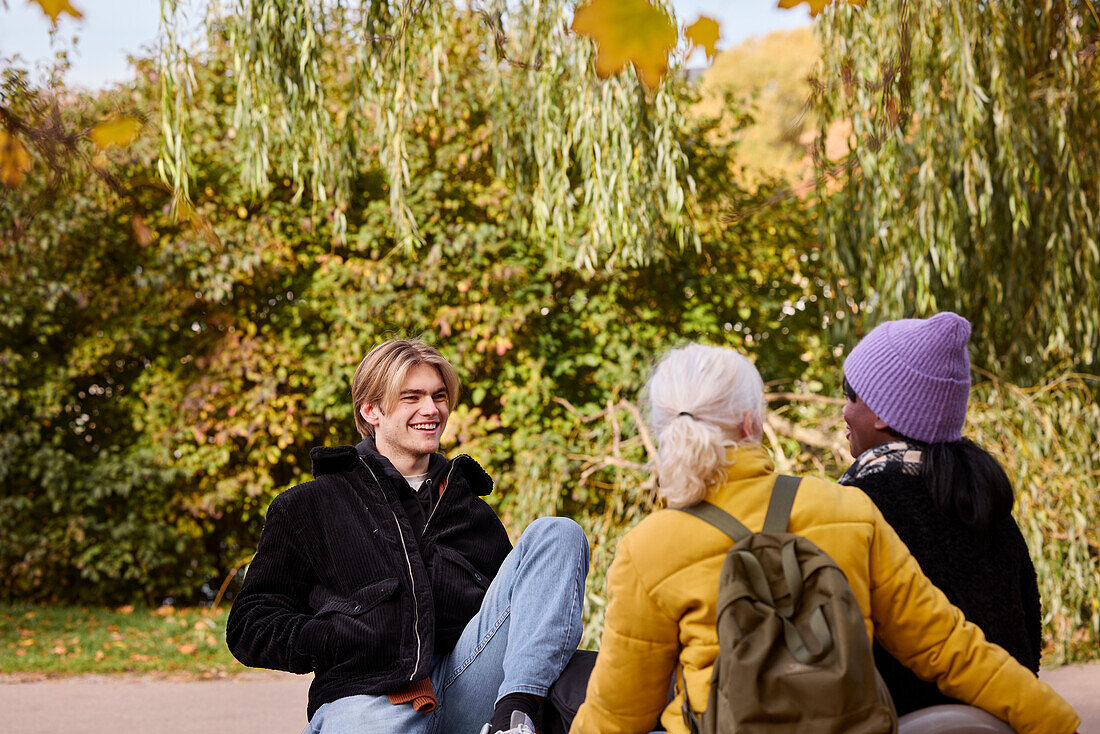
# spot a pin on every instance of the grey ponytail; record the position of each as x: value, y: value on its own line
x: 698, y: 396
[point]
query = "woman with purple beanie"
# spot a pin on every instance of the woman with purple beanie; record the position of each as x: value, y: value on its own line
x: 907, y: 384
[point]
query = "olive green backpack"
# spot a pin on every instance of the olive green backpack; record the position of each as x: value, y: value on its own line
x: 793, y: 651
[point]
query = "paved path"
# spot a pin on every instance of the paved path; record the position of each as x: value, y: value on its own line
x: 265, y: 703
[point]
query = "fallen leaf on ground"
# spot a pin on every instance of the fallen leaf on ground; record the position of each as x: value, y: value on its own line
x: 187, y: 649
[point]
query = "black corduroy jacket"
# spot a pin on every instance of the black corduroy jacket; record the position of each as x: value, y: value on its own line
x: 991, y: 580
x: 344, y: 586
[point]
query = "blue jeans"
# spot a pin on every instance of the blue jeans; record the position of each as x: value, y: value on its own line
x: 520, y: 640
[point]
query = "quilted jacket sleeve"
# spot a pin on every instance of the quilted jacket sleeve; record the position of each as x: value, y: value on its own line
x: 916, y: 624
x: 270, y: 624
x: 640, y: 645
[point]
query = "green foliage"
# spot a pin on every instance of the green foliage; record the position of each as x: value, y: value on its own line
x: 209, y: 355
x: 597, y: 165
x: 971, y: 182
x: 163, y: 379
x: 84, y: 499
x: 1045, y: 438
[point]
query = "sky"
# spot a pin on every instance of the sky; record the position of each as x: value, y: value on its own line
x: 111, y: 30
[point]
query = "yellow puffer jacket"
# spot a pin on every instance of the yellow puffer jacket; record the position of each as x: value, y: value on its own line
x: 663, y: 585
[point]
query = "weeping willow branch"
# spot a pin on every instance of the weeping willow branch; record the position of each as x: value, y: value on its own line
x: 323, y: 88
x: 974, y: 186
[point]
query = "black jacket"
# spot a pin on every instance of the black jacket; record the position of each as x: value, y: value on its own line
x: 346, y: 585
x: 992, y: 582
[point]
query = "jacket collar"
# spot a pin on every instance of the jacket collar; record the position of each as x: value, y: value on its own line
x: 333, y: 459
x: 339, y: 459
x: 748, y: 482
x: 437, y: 463
x: 748, y: 460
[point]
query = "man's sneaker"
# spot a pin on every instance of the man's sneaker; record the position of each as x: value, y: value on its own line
x: 521, y: 724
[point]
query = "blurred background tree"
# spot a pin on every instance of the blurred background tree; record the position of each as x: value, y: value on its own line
x: 313, y: 83
x: 969, y: 180
x: 192, y: 265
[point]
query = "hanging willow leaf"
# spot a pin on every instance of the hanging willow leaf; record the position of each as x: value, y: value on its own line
x: 973, y: 185
x: 321, y: 89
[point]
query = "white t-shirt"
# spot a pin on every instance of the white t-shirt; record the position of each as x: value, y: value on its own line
x: 416, y: 480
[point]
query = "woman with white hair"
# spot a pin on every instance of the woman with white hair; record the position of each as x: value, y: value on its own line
x: 706, y: 406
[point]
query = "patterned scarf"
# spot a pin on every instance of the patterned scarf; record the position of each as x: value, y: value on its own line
x: 897, y: 456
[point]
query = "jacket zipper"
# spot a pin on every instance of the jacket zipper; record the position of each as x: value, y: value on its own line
x: 412, y: 579
x: 439, y: 501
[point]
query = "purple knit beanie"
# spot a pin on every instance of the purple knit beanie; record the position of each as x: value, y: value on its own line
x: 915, y: 375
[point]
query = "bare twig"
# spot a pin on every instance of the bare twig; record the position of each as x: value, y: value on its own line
x: 780, y: 458
x: 643, y: 432
x: 799, y: 397
x: 809, y: 436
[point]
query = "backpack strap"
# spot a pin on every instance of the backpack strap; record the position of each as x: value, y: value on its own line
x: 778, y: 515
x: 719, y: 518
x: 692, y: 720
x: 780, y: 504
x: 779, y: 511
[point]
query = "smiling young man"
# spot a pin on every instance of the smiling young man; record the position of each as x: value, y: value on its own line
x: 391, y: 580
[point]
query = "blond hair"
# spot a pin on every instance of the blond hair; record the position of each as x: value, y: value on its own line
x: 698, y: 398
x: 380, y: 375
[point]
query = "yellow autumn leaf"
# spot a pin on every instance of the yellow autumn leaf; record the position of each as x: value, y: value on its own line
x: 628, y: 31
x: 704, y: 34
x: 816, y: 6
x: 116, y: 131
x: 14, y: 159
x: 54, y: 8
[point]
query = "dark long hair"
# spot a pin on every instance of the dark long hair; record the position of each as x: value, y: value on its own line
x: 965, y: 482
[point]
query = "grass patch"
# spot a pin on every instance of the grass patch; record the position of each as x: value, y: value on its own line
x: 67, y: 640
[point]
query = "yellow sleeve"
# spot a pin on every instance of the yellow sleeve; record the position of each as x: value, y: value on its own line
x: 916, y: 624
x: 629, y: 685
